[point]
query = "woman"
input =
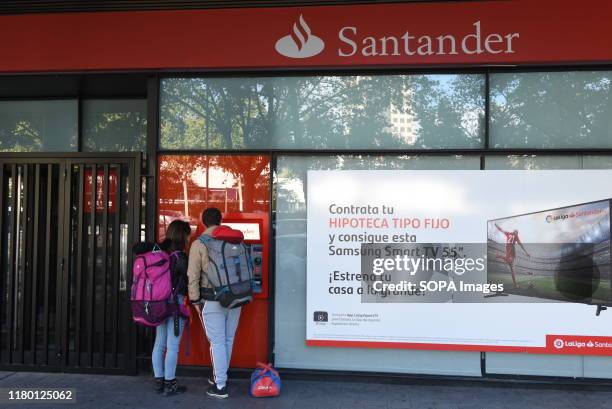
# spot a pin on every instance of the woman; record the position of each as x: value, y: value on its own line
x: 168, y: 334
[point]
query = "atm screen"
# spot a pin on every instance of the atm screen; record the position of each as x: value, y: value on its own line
x: 559, y: 254
x: 250, y: 230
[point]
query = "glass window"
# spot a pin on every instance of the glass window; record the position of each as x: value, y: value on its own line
x: 551, y: 110
x: 188, y: 184
x: 323, y: 112
x: 290, y: 275
x: 540, y: 364
x: 596, y: 162
x: 38, y: 126
x: 533, y: 162
x: 116, y: 125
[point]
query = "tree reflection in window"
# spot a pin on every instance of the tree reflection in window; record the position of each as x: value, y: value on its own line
x: 551, y: 110
x: 37, y: 126
x: 188, y: 184
x: 115, y: 125
x: 323, y: 112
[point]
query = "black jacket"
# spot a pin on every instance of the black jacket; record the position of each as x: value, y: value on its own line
x: 178, y: 264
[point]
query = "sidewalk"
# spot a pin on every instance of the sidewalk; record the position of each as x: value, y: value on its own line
x: 100, y: 391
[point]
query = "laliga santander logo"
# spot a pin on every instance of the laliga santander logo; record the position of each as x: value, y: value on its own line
x: 301, y: 43
x: 558, y: 343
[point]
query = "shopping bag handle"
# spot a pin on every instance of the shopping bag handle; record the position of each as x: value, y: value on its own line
x: 267, y: 367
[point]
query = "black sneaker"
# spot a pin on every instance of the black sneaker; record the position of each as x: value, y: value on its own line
x: 172, y: 388
x: 158, y: 386
x: 217, y: 393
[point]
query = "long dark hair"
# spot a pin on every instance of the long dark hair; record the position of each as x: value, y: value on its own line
x: 177, y: 234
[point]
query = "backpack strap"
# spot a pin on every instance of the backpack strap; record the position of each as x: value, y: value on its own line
x: 186, y: 325
x: 175, y: 253
x: 205, y: 238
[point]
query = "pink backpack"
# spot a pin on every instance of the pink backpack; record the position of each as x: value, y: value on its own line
x: 151, y: 296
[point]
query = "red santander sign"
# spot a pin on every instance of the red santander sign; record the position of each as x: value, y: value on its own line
x: 425, y: 45
x: 415, y: 34
x: 301, y: 43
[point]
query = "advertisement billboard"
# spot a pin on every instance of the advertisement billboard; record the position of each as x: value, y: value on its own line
x: 495, y: 260
x: 560, y: 254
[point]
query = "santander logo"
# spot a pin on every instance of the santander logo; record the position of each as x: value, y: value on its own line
x: 476, y: 39
x: 300, y: 43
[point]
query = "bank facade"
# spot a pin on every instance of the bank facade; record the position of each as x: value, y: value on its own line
x: 176, y: 110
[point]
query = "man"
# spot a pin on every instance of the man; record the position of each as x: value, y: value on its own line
x: 511, y: 239
x: 219, y: 323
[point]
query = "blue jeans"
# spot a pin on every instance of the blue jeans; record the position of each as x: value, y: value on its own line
x: 166, y: 342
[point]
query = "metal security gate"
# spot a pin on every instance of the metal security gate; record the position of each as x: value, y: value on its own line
x: 66, y: 228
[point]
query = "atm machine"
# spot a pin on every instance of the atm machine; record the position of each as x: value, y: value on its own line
x: 251, y: 343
